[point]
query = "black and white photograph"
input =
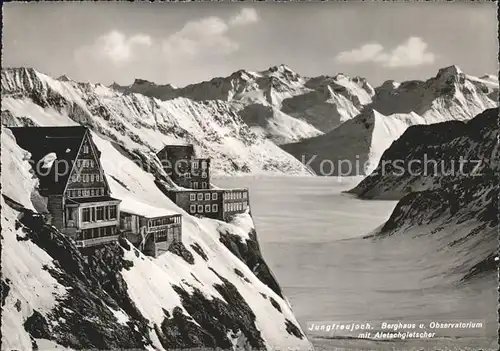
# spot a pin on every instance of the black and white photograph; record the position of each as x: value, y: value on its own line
x: 250, y: 176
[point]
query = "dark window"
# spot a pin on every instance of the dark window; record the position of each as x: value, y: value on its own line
x: 112, y: 212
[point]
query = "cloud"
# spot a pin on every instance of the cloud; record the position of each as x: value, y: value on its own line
x: 412, y: 52
x: 246, y: 16
x: 208, y: 36
x: 115, y: 46
x: 205, y: 36
x: 366, y: 53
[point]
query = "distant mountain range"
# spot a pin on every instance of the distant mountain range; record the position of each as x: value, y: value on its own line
x: 254, y: 122
x: 356, y: 146
x: 277, y: 102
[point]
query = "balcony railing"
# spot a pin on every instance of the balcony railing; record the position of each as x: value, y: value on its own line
x: 98, y: 224
x: 96, y: 241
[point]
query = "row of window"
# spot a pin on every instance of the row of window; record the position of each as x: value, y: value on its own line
x: 204, y: 208
x: 163, y: 235
x: 235, y: 195
x: 85, y: 163
x: 163, y: 221
x: 214, y: 196
x: 236, y: 206
x: 196, y: 164
x: 99, y: 213
x: 188, y: 175
x: 201, y: 196
x: 87, y: 178
x: 194, y: 185
x: 72, y: 193
x: 97, y: 233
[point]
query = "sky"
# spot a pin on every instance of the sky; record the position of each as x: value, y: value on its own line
x: 184, y: 43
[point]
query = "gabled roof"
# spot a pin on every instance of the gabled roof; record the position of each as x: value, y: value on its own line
x: 86, y: 200
x: 139, y: 208
x: 65, y: 142
x: 177, y: 147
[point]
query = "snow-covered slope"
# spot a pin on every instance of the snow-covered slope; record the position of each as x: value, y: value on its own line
x: 355, y: 147
x: 277, y: 102
x: 144, y: 123
x: 426, y: 156
x: 458, y: 223
x: 331, y: 100
x: 214, y: 289
x: 451, y: 94
x: 450, y: 235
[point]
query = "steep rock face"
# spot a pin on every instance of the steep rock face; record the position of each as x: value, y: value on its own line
x: 460, y: 219
x: 147, y: 88
x: 450, y: 215
x: 198, y: 294
x: 446, y: 225
x: 425, y: 156
x: 331, y: 101
x: 451, y: 94
x: 285, y: 106
x: 144, y: 123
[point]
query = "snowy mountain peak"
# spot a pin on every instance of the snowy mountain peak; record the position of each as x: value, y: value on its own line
x: 244, y: 75
x: 388, y: 85
x: 13, y: 77
x: 139, y: 81
x: 282, y: 68
x: 282, y: 71
x: 339, y: 76
x: 450, y: 71
x: 64, y: 78
x: 118, y: 87
x: 145, y: 124
x: 490, y: 77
